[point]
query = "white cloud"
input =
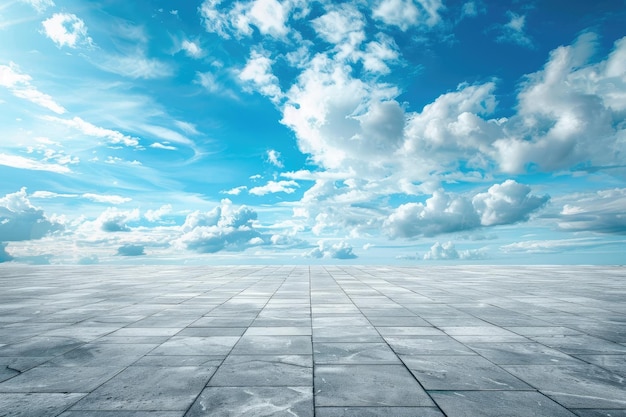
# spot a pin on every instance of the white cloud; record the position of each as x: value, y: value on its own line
x: 159, y: 145
x: 378, y: 53
x: 156, y: 215
x: 39, y: 5
x: 208, y: 81
x: 447, y: 251
x: 603, y: 212
x: 443, y: 251
x: 343, y: 122
x: 273, y: 157
x: 505, y: 203
x: 192, y: 49
x: 442, y: 213
x: 4, y: 255
x: 407, y: 13
x: 104, y: 198
x: 134, y: 65
x: 19, y: 85
x: 567, y: 111
x: 66, y: 29
x: 20, y: 162
x: 258, y: 74
x: 20, y: 220
x: 275, y: 187
x: 342, y: 24
x: 223, y: 228
x: 339, y: 250
x: 112, y: 136
x: 513, y: 31
x: 268, y: 16
x: 131, y: 250
x: 235, y: 190
x: 115, y: 220
x: 556, y: 245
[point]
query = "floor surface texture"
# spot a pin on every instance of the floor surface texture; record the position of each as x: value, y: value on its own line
x: 325, y: 341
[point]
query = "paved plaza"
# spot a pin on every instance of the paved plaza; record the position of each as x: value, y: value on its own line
x: 325, y: 341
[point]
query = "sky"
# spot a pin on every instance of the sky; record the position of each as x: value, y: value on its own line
x: 401, y: 132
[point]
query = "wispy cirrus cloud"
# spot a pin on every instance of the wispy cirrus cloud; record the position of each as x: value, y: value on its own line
x: 19, y: 84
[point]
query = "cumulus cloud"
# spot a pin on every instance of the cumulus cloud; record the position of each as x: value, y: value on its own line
x: 505, y: 203
x: 131, y: 250
x: 275, y: 187
x: 223, y: 228
x: 568, y: 111
x: 115, y: 220
x: 20, y: 220
x: 268, y: 16
x: 4, y: 255
x: 19, y: 85
x: 443, y: 251
x: 258, y: 74
x: 602, y: 212
x: 156, y: 215
x: 407, y: 13
x: 447, y: 251
x: 66, y: 29
x: 339, y: 250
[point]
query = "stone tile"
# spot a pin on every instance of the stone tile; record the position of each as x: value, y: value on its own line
x: 346, y: 334
x: 523, y: 354
x: 353, y: 353
x: 6, y: 373
x: 212, y: 331
x: 498, y: 404
x: 575, y: 386
x: 581, y: 344
x: 253, y: 402
x: 59, y: 379
x: 600, y: 413
x: 218, y: 321
x: 613, y: 363
x: 461, y: 373
x: 102, y: 355
x: 149, y: 388
x: 279, y: 331
x: 396, y: 321
x: 41, y: 346
x: 36, y: 404
x: 273, y: 345
x: 188, y: 345
x: 409, y: 331
x: 264, y: 370
x: 427, y: 345
x: 378, y: 411
x: 181, y: 360
x: 367, y: 385
x: 85, y: 413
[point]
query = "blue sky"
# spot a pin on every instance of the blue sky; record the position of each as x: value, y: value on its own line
x: 269, y: 131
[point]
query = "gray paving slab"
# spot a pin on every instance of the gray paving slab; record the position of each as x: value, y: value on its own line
x: 253, y: 402
x: 168, y: 341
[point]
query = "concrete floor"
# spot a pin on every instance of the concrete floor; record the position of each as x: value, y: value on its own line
x: 312, y: 341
